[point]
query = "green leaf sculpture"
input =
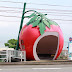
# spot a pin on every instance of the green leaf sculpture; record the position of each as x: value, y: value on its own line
x: 32, y: 19
x: 40, y: 20
x: 41, y: 28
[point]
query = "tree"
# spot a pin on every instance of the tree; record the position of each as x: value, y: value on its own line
x: 11, y: 43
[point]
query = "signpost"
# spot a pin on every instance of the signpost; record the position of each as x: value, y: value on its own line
x: 70, y: 49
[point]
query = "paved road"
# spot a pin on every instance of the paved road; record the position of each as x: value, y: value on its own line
x: 36, y: 68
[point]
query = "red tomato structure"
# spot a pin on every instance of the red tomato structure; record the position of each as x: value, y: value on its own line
x: 41, y: 47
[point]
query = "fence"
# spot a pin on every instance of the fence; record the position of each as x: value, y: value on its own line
x: 8, y: 54
x: 4, y: 55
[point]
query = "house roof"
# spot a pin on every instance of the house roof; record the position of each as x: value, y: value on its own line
x: 6, y: 48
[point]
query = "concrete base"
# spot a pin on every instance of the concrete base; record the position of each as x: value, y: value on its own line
x: 41, y: 62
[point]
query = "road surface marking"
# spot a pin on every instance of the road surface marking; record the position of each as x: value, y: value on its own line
x: 46, y: 68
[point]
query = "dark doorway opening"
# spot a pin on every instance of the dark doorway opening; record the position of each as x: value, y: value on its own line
x: 47, y: 47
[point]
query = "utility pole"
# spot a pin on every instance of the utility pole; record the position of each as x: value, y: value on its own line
x: 17, y: 47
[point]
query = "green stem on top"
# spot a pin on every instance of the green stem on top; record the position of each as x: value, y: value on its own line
x: 40, y: 20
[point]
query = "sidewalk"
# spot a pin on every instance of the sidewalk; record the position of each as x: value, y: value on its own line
x: 42, y: 62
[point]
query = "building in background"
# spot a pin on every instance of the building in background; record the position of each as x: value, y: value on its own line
x: 65, y: 52
x: 5, y: 48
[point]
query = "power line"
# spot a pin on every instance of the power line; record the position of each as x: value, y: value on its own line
x: 30, y: 13
x: 49, y: 5
x: 14, y: 11
x: 39, y: 11
x: 25, y: 22
x: 34, y: 3
x: 36, y: 9
x: 57, y: 12
x: 12, y: 2
x: 20, y: 17
x: 10, y: 16
x: 60, y: 15
x: 8, y: 21
x: 11, y: 21
x: 10, y: 7
x: 48, y: 14
x: 9, y: 11
x: 50, y: 9
x: 61, y: 19
x: 6, y: 11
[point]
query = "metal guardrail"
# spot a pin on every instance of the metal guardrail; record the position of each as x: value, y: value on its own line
x: 4, y: 55
x: 8, y: 54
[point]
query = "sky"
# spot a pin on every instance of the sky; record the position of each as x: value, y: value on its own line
x: 59, y: 11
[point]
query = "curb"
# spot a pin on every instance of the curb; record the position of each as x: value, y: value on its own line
x: 47, y: 62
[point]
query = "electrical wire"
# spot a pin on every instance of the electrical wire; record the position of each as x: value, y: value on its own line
x: 49, y: 4
x: 11, y: 2
x: 10, y: 7
x: 8, y: 11
x: 36, y: 9
x: 59, y: 15
x: 20, y: 17
x: 49, y: 14
x: 57, y: 12
x: 35, y: 3
x: 49, y: 9
x: 61, y: 19
x: 11, y: 10
x: 10, y: 16
x: 41, y: 12
x: 8, y: 21
x: 14, y: 11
